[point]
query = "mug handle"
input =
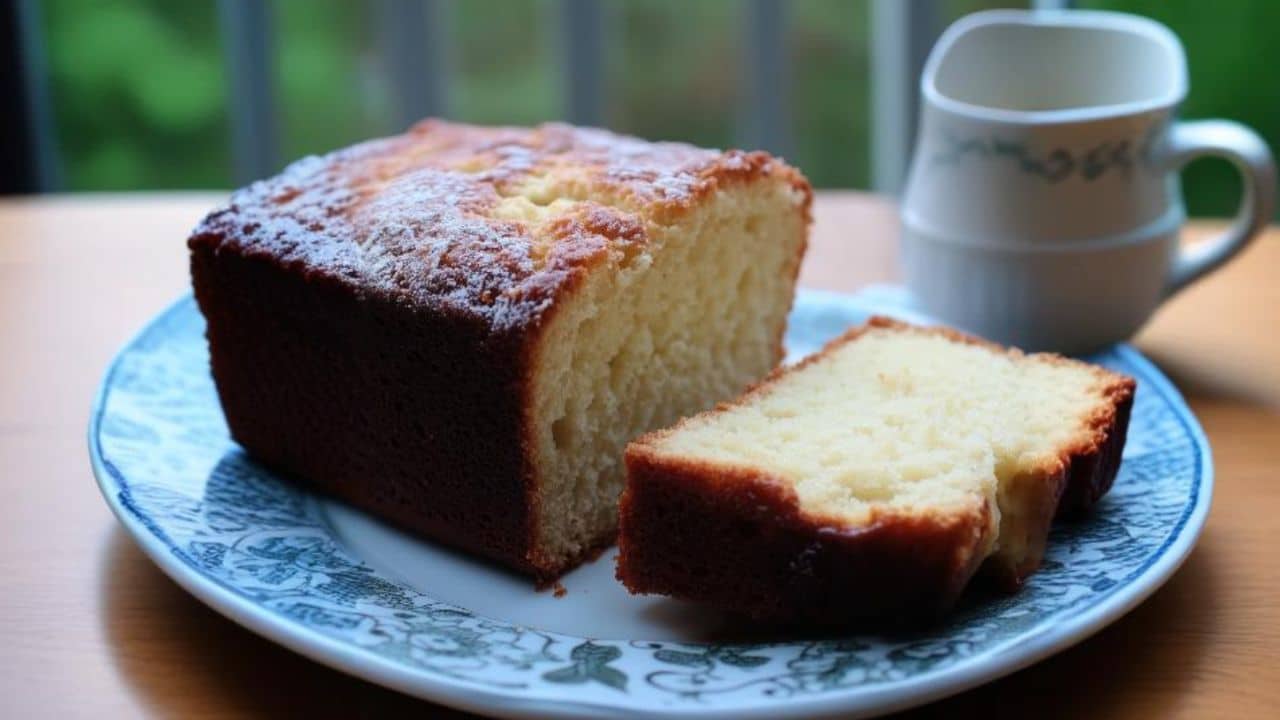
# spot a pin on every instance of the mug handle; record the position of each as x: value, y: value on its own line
x: 1249, y: 153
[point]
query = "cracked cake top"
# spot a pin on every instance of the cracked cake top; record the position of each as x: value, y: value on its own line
x: 489, y: 222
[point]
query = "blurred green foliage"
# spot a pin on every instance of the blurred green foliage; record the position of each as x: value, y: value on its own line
x: 141, y: 96
x: 139, y: 93
x: 322, y: 50
x: 1231, y: 52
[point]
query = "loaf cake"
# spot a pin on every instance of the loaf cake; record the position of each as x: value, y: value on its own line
x: 459, y: 328
x: 872, y: 480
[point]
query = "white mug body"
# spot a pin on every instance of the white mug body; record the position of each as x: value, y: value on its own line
x: 1073, y: 300
x: 1043, y: 207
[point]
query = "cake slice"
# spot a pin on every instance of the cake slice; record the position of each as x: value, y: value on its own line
x: 459, y: 328
x: 871, y: 480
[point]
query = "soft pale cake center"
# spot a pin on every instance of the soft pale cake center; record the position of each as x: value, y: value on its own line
x: 910, y: 421
x: 689, y: 319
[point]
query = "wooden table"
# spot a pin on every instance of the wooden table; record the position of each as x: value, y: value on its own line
x: 89, y: 627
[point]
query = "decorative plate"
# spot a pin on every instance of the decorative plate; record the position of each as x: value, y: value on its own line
x: 343, y: 589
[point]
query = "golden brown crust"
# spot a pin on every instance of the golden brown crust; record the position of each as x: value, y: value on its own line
x: 373, y: 314
x: 674, y: 507
x: 417, y: 217
x: 1091, y: 467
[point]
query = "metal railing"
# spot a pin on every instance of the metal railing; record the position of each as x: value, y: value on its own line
x: 43, y: 150
x: 414, y: 34
x: 414, y: 37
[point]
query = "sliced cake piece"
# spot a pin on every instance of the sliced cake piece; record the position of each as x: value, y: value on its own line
x: 871, y: 480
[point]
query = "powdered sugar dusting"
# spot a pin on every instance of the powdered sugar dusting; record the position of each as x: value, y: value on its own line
x: 413, y: 216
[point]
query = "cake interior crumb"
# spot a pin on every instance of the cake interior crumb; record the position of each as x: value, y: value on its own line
x: 906, y: 420
x: 688, y: 318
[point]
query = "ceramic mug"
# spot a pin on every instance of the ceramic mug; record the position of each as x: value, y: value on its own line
x: 1043, y: 205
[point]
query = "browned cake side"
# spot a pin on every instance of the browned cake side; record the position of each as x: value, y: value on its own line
x: 373, y: 315
x: 1091, y: 471
x: 740, y: 542
x: 315, y: 380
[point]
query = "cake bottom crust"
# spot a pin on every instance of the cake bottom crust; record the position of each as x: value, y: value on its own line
x: 739, y: 542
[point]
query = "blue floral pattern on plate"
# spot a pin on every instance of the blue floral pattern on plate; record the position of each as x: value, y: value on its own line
x: 258, y: 549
